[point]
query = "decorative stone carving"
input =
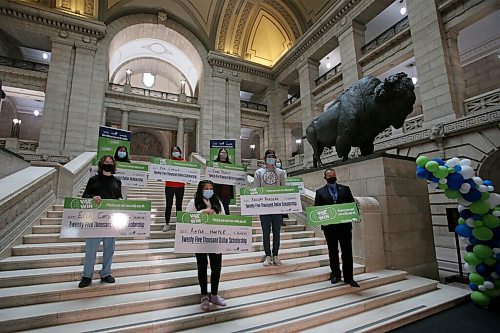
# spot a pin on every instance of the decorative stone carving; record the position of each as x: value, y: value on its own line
x: 89, y: 7
x: 162, y: 18
x: 146, y: 144
x: 437, y: 132
x: 63, y: 34
x: 241, y: 24
x: 66, y: 4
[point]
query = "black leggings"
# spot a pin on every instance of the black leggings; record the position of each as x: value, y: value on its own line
x: 169, y: 196
x: 215, y: 267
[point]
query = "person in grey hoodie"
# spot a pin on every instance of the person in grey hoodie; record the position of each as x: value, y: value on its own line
x: 270, y: 175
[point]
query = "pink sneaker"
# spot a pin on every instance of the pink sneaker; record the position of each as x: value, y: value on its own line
x: 205, y: 303
x: 217, y: 300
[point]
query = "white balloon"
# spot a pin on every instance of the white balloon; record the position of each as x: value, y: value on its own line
x: 443, y: 181
x: 496, y: 250
x: 461, y: 208
x: 494, y: 275
x: 491, y: 188
x: 496, y: 213
x: 481, y: 287
x: 452, y: 162
x: 467, y: 172
x: 463, y: 202
x: 482, y: 188
x: 465, y: 162
x: 470, y: 222
x: 488, y: 285
x: 467, y: 267
x: 477, y: 180
x: 493, y: 200
x: 465, y: 188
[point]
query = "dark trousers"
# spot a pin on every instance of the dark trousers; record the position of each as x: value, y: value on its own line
x: 334, y: 236
x: 267, y: 222
x: 169, y: 196
x: 225, y: 204
x: 215, y: 267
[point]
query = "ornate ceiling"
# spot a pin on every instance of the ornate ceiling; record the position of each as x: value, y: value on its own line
x: 260, y: 31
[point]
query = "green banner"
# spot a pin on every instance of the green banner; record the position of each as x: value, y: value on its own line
x: 183, y: 164
x: 270, y: 190
x: 226, y: 166
x: 107, y: 204
x: 202, y: 218
x: 132, y: 166
x: 332, y: 214
x: 229, y: 145
x: 110, y: 139
x: 294, y: 180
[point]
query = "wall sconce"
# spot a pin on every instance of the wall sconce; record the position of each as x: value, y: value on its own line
x: 16, y: 126
x: 252, y: 147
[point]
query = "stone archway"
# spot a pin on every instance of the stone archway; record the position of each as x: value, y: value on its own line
x: 489, y: 168
x: 146, y: 144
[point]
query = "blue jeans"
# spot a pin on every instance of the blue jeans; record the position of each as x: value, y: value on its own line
x: 91, y: 247
x: 266, y: 222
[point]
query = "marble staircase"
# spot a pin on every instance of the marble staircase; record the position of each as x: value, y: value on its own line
x: 156, y: 290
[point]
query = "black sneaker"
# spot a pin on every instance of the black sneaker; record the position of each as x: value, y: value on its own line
x: 108, y: 279
x: 84, y: 282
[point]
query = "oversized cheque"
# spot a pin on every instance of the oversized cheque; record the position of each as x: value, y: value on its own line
x: 174, y: 171
x: 270, y: 200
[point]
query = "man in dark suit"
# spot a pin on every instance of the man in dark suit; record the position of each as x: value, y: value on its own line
x: 333, y: 193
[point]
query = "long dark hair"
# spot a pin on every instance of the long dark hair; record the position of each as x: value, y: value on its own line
x: 218, y: 156
x: 118, y: 159
x: 198, y: 198
x: 101, y: 162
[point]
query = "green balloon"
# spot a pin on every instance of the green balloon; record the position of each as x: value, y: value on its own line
x: 480, y: 298
x: 482, y: 251
x: 490, y: 261
x: 452, y: 194
x: 476, y: 278
x: 497, y: 283
x: 472, y: 259
x: 443, y: 186
x: 479, y: 207
x: 479, y: 223
x: 461, y: 220
x: 492, y: 293
x: 422, y: 160
x: 432, y: 166
x: 482, y: 233
x: 451, y: 170
x: 485, y: 195
x: 491, y: 221
x: 441, y: 172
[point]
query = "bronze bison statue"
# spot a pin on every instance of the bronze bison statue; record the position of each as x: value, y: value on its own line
x: 360, y: 113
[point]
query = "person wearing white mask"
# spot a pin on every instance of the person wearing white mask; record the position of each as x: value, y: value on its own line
x: 206, y: 201
x: 270, y: 175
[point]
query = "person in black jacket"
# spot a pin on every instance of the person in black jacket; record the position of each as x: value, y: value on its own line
x: 333, y: 193
x: 101, y: 186
x: 223, y: 191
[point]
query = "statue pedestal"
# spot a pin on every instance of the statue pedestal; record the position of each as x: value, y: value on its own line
x: 12, y: 144
x: 404, y: 219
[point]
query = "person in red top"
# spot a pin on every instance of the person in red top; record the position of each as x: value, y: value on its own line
x: 173, y: 188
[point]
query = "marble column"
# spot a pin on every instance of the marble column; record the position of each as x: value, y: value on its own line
x: 432, y: 62
x: 350, y: 42
x: 180, y: 133
x: 124, y: 124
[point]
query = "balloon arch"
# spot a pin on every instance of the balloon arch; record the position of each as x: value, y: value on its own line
x: 479, y: 222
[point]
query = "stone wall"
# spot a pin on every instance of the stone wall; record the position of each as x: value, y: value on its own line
x: 10, y: 163
x: 482, y: 76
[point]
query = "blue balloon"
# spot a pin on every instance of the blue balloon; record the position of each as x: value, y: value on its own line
x: 469, y: 248
x: 471, y: 183
x: 422, y: 172
x: 455, y: 180
x: 463, y: 230
x: 465, y: 214
x: 458, y: 168
x: 497, y: 256
x: 473, y: 286
x: 483, y: 269
x: 435, y: 180
x: 497, y: 268
x: 477, y: 216
x: 487, y: 182
x: 473, y: 240
x: 473, y: 195
x: 440, y: 161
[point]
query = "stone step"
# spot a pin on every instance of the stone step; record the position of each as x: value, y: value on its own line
x: 73, y: 273
x: 299, y: 314
x: 40, y: 238
x: 57, y: 291
x: 397, y: 314
x: 122, y: 245
x: 178, y: 308
x: 75, y: 259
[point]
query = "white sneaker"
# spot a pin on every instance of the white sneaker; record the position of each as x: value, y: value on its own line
x: 166, y: 228
x: 267, y: 261
x: 277, y: 261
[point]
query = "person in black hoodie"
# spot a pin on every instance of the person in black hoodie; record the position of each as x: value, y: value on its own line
x: 101, y: 186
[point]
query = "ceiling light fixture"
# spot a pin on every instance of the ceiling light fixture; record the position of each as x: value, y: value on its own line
x: 45, y: 56
x: 36, y: 113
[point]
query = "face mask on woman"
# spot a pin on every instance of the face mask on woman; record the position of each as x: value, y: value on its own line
x: 122, y: 154
x: 278, y: 165
x: 176, y: 154
x: 107, y: 167
x: 270, y: 161
x: 207, y: 194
